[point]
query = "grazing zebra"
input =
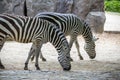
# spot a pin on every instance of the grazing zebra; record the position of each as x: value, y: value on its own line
x: 70, y: 25
x: 73, y: 26
x: 39, y: 31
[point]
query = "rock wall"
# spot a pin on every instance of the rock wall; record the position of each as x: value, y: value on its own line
x: 96, y: 21
x: 82, y: 8
x: 5, y: 6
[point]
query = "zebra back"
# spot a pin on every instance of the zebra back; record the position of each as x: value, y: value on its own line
x: 24, y: 29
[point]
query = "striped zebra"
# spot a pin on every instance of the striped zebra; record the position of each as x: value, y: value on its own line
x: 70, y: 25
x: 73, y: 26
x: 35, y: 30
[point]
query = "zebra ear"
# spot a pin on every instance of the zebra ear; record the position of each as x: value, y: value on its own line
x: 95, y: 39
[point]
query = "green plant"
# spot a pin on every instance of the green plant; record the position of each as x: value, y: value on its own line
x: 112, y: 5
x: 112, y: 0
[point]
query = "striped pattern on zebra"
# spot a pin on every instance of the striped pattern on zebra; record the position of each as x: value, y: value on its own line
x: 73, y: 26
x: 36, y: 30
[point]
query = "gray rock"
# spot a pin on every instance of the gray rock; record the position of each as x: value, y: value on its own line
x: 5, y: 6
x: 64, y: 6
x: 97, y: 5
x: 82, y: 8
x: 36, y: 6
x: 96, y: 21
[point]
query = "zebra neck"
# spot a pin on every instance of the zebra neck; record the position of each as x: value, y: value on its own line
x: 87, y: 39
x: 87, y: 34
x: 55, y: 37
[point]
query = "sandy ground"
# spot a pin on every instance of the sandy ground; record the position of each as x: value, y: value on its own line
x: 106, y: 65
x: 14, y: 54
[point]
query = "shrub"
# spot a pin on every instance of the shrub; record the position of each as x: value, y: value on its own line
x: 112, y: 0
x: 112, y: 5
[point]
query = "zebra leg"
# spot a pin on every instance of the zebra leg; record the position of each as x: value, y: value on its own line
x: 41, y: 56
x: 78, y: 50
x: 38, y: 44
x: 37, y: 50
x: 32, y: 58
x: 36, y: 62
x: 33, y: 54
x: 27, y: 61
x: 1, y: 46
x: 72, y: 39
x: 1, y: 65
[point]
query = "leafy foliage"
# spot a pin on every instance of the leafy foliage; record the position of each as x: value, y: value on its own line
x: 112, y: 0
x: 112, y: 5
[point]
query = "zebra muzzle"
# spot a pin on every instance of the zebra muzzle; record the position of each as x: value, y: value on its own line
x: 67, y: 69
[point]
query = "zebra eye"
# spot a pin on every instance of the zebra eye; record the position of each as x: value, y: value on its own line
x: 65, y: 48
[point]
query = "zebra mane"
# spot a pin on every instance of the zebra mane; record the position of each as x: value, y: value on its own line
x: 19, y: 16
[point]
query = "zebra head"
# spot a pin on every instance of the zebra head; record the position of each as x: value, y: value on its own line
x: 90, y: 49
x: 64, y: 56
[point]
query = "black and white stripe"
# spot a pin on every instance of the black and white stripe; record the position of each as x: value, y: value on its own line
x: 73, y: 26
x: 36, y: 30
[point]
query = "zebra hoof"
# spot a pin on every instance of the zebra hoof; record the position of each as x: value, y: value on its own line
x: 43, y: 59
x: 81, y: 58
x: 25, y: 68
x: 37, y: 68
x: 71, y: 59
x: 2, y: 67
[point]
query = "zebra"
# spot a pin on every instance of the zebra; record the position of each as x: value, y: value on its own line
x: 71, y: 25
x: 64, y: 22
x: 38, y: 31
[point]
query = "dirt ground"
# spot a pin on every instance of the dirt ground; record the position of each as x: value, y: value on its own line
x: 106, y: 65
